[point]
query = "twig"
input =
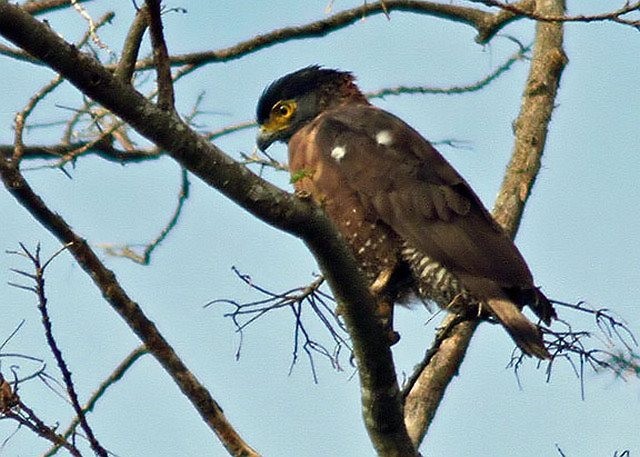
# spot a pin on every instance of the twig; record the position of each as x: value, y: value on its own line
x: 145, y: 257
x: 518, y: 56
x: 127, y: 308
x: 230, y: 129
x: 113, y: 378
x: 105, y: 149
x: 21, y: 117
x: 245, y: 314
x: 93, y: 26
x: 11, y: 335
x: 38, y: 278
x: 26, y: 417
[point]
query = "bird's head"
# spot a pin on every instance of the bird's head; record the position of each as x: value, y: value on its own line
x: 292, y: 101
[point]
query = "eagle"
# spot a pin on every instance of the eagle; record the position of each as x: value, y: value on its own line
x: 413, y: 223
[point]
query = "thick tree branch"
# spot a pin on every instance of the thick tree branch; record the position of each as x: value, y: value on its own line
x: 104, y: 147
x: 531, y: 126
x: 380, y: 393
x: 127, y: 308
x: 547, y: 63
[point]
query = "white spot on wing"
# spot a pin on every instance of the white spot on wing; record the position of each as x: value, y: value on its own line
x: 384, y: 137
x: 338, y: 153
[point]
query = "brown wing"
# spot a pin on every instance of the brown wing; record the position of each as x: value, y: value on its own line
x: 403, y: 181
x: 318, y: 175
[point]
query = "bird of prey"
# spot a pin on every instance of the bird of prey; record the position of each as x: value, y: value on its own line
x: 412, y: 222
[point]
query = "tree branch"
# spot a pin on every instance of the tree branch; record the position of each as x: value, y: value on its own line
x: 166, y: 97
x: 380, y: 392
x: 44, y: 6
x: 114, y: 377
x: 104, y: 147
x: 481, y: 20
x: 131, y: 47
x: 38, y: 288
x: 127, y: 308
x: 528, y: 10
x: 531, y: 126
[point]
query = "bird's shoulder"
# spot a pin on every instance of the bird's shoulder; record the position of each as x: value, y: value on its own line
x: 388, y: 161
x: 368, y: 133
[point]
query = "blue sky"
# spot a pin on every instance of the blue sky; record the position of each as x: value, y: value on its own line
x: 579, y: 235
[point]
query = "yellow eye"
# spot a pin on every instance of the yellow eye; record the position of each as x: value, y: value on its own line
x: 283, y: 109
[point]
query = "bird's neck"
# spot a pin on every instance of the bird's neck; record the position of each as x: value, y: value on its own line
x: 342, y: 92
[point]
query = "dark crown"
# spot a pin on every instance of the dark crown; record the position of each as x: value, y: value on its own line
x: 294, y: 85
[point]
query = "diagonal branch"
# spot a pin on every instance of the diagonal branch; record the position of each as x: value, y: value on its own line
x: 127, y: 308
x: 547, y: 63
x: 105, y: 149
x: 380, y: 392
x: 113, y: 378
x: 144, y: 257
x: 38, y: 288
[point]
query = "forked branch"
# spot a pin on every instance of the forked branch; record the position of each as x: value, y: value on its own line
x: 539, y: 96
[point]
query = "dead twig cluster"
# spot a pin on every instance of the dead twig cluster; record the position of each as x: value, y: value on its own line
x: 296, y: 301
x: 37, y: 287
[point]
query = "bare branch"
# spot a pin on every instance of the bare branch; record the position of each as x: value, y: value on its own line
x: 547, y: 63
x: 145, y: 257
x: 103, y: 146
x: 518, y: 56
x: 131, y: 47
x: 166, y: 97
x: 92, y: 31
x: 481, y: 20
x: 128, y: 309
x: 18, y: 411
x: 115, y: 376
x: 36, y: 7
x: 531, y: 126
x: 484, y: 22
x: 380, y: 392
x: 103, y: 149
x: 245, y: 314
x: 21, y: 117
x: 526, y: 10
x: 38, y: 278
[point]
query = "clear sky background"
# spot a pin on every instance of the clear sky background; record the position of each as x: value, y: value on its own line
x: 580, y: 236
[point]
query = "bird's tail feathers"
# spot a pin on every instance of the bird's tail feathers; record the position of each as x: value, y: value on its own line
x: 525, y: 334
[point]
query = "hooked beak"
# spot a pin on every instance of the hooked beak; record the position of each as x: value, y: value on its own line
x: 265, y: 138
